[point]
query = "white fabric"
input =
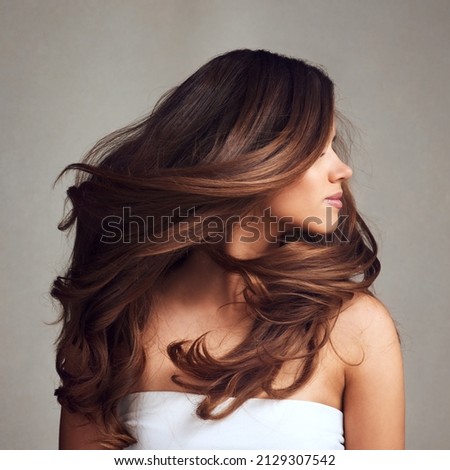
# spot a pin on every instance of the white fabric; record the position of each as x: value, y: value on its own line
x: 167, y: 420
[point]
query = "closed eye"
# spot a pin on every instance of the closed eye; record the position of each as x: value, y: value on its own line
x: 332, y: 142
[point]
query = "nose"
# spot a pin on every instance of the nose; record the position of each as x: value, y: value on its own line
x: 340, y: 171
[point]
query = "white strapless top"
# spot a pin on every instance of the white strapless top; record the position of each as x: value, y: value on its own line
x: 167, y: 420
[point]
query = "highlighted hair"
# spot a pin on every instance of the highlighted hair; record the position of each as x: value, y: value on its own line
x: 242, y: 127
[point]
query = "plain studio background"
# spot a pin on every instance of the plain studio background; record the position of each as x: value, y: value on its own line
x: 73, y: 71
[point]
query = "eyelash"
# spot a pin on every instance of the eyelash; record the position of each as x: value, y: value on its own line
x: 332, y: 142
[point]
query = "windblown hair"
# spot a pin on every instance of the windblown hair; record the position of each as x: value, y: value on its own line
x: 240, y: 129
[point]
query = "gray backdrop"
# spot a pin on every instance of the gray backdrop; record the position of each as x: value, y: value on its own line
x: 72, y: 71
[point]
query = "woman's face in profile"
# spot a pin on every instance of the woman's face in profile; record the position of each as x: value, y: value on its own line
x: 305, y: 201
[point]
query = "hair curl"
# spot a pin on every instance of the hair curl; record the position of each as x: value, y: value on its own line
x: 242, y: 127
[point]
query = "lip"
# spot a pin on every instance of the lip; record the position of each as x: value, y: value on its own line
x: 335, y: 203
x: 335, y: 196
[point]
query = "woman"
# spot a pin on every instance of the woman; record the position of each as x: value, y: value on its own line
x: 218, y: 294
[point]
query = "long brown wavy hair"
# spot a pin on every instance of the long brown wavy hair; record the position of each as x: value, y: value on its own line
x: 241, y: 128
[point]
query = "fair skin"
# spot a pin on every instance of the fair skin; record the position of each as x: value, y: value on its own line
x: 371, y: 393
x: 305, y: 200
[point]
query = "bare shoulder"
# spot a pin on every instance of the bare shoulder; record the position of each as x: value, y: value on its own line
x: 366, y: 313
x: 364, y: 327
x: 366, y: 339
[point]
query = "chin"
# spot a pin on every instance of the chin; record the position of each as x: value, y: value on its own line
x: 323, y: 225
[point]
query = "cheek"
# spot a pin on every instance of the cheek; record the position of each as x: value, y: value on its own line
x: 297, y: 201
x: 303, y: 204
x: 304, y: 195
